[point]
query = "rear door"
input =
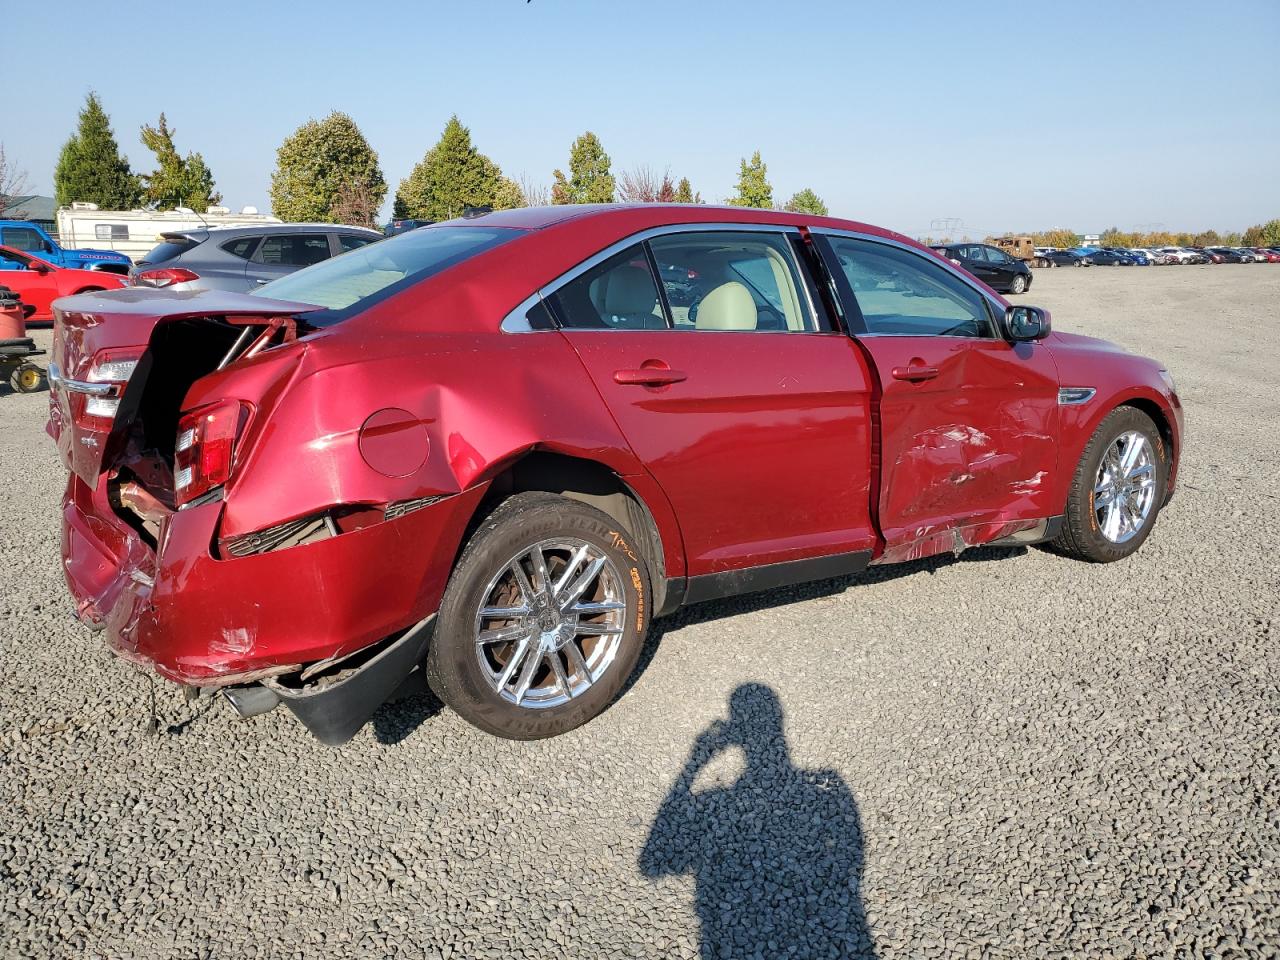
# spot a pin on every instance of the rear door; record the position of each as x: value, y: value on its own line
x: 730, y: 386
x: 968, y: 421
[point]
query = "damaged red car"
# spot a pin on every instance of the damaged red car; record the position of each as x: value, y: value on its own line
x: 491, y: 451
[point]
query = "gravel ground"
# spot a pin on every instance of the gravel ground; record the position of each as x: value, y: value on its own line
x: 1009, y: 755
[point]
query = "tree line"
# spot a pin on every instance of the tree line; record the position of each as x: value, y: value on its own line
x: 326, y: 171
x: 1259, y: 235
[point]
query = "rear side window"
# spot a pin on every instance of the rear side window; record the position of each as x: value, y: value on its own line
x: 349, y: 242
x: 294, y: 249
x: 618, y: 294
x: 168, y: 248
x: 242, y: 247
x: 904, y: 294
x: 725, y: 280
x: 342, y: 285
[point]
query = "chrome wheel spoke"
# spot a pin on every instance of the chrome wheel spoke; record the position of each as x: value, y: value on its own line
x: 541, y: 581
x: 597, y: 606
x: 598, y: 629
x: 500, y: 634
x: 1132, y: 450
x: 575, y: 589
x: 1124, y: 488
x: 522, y: 580
x: 1146, y: 471
x: 569, y: 568
x: 509, y: 670
x: 532, y: 662
x: 562, y: 678
x: 1105, y: 497
x: 578, y: 661
x: 504, y: 613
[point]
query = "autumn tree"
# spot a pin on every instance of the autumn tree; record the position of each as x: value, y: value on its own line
x: 322, y: 166
x: 754, y: 189
x: 590, y: 179
x: 644, y: 185
x: 91, y: 168
x: 177, y: 181
x: 13, y: 182
x: 507, y: 195
x: 452, y: 176
x: 806, y: 201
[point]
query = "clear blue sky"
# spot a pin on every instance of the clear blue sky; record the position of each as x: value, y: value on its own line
x: 1007, y: 115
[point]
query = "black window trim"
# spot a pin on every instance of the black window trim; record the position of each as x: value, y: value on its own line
x: 994, y: 307
x: 516, y: 320
x: 257, y: 242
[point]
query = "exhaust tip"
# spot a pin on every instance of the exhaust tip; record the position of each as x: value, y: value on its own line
x: 251, y: 700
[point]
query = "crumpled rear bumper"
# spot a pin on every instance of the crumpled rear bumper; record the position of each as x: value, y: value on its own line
x: 206, y: 621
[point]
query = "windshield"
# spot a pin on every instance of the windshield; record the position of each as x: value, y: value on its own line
x: 350, y: 282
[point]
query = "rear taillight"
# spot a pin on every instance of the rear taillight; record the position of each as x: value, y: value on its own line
x: 205, y: 451
x: 108, y: 367
x: 164, y: 277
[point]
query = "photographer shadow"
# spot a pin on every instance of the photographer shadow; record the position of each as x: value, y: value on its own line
x: 776, y: 855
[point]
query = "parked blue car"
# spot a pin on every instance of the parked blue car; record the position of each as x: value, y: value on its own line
x: 31, y: 238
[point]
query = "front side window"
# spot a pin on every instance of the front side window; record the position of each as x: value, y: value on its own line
x: 905, y: 294
x: 294, y: 249
x: 618, y: 294
x: 728, y: 280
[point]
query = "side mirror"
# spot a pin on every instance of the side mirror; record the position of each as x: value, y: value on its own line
x: 1023, y: 324
x: 37, y: 266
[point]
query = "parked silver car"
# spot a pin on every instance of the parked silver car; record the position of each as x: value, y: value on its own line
x: 243, y: 258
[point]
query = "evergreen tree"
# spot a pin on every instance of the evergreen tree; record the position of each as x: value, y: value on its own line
x: 508, y: 195
x: 806, y: 201
x: 452, y: 176
x: 589, y: 180
x: 320, y: 167
x: 90, y: 168
x: 685, y: 194
x: 754, y: 189
x: 176, y: 182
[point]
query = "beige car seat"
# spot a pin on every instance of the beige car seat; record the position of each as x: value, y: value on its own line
x: 727, y: 307
x: 628, y: 299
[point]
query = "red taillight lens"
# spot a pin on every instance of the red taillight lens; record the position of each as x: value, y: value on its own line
x: 206, y: 448
x: 164, y: 277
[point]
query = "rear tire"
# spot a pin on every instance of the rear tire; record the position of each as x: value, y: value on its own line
x: 1100, y: 492
x: 571, y: 662
x: 1019, y: 284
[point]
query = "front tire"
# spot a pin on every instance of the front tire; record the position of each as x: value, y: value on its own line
x: 543, y: 618
x: 1117, y: 490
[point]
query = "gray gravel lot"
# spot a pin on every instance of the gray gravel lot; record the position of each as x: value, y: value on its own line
x: 1009, y: 755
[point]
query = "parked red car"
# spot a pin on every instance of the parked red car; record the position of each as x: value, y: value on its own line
x: 39, y: 283
x: 498, y: 447
x: 1268, y: 256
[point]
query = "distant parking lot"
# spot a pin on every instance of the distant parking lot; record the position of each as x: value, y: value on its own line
x: 1003, y: 755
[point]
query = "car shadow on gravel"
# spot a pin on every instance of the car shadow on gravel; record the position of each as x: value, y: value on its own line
x: 776, y: 855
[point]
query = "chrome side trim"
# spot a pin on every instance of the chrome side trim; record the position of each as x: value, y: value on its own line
x: 1073, y: 396
x: 81, y: 386
x: 515, y: 322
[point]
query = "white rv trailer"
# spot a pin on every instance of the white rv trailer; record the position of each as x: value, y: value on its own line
x: 82, y: 226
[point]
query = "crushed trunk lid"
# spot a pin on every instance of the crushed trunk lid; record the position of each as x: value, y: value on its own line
x: 100, y: 357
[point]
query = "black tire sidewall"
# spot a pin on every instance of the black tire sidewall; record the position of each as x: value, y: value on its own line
x: 519, y: 522
x: 1083, y: 520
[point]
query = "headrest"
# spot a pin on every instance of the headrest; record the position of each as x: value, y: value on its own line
x: 727, y: 307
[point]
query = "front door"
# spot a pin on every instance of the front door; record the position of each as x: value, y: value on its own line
x: 968, y: 421
x: 749, y: 411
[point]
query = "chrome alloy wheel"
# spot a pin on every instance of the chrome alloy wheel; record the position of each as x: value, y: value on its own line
x: 550, y: 622
x: 1125, y: 489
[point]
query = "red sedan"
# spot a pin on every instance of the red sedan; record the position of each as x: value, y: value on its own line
x: 39, y: 283
x: 495, y: 449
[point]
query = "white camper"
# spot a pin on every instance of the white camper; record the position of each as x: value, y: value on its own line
x: 82, y: 226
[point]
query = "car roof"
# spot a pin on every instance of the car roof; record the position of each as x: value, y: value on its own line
x: 644, y: 215
x: 257, y: 229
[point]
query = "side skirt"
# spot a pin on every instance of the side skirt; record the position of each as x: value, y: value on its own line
x: 732, y: 583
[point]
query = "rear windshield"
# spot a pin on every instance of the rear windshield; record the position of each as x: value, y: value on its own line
x: 168, y: 249
x: 352, y: 281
